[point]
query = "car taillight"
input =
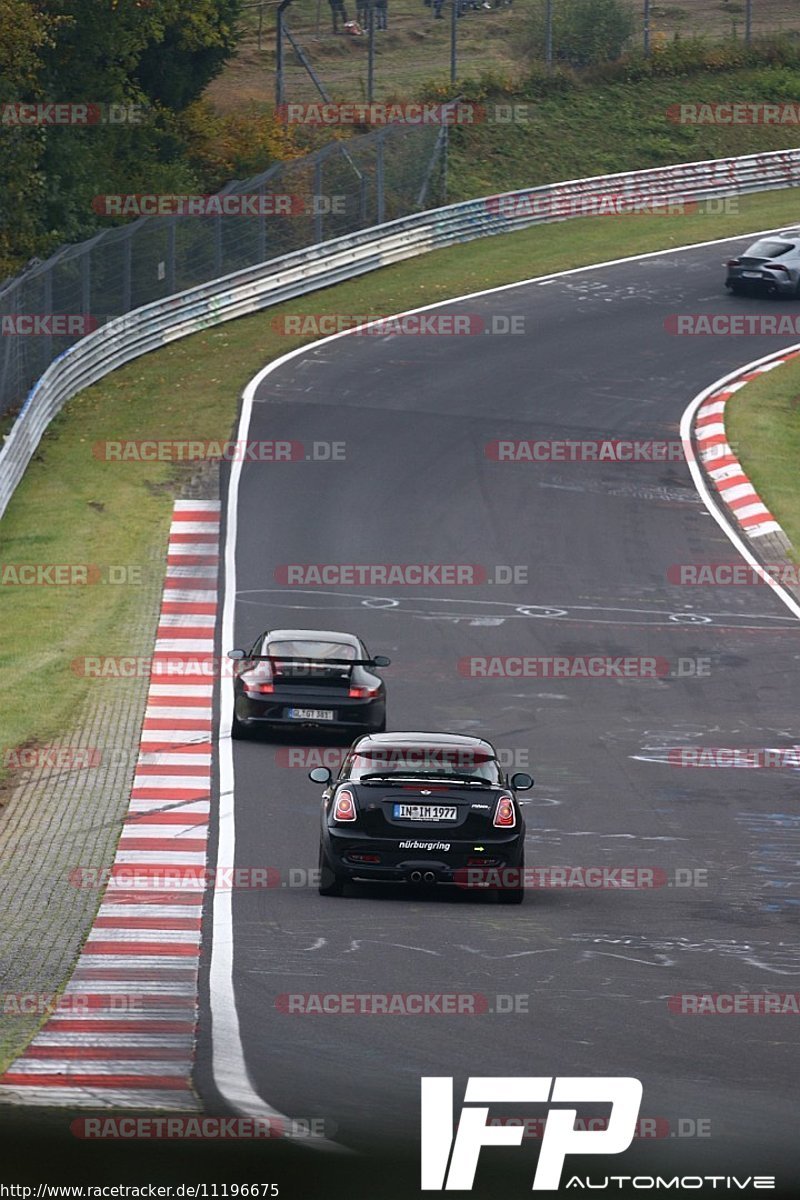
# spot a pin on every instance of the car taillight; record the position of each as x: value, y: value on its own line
x: 504, y: 815
x: 364, y: 693
x: 259, y: 679
x: 345, y: 807
x: 733, y: 262
x: 777, y: 267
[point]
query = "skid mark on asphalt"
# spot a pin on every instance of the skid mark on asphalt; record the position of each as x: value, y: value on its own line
x: 775, y: 857
x: 441, y: 608
x: 632, y: 491
x: 776, y: 958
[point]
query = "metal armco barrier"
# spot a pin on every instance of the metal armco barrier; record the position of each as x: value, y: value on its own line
x: 280, y: 279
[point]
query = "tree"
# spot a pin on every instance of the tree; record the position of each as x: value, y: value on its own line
x: 25, y: 32
x: 196, y: 44
x: 157, y: 55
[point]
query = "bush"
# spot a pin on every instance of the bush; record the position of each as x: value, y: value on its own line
x: 584, y: 31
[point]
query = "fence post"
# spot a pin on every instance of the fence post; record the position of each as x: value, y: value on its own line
x: 86, y: 280
x: 454, y: 40
x: 262, y: 223
x: 548, y: 33
x: 127, y: 270
x: 647, y: 28
x: 379, y: 180
x: 172, y: 256
x: 47, y: 305
x: 362, y: 200
x: 318, y: 198
x: 371, y: 53
x: 279, y: 53
x: 218, y: 244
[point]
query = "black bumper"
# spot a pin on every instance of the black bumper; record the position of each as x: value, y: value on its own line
x: 358, y: 715
x: 402, y: 857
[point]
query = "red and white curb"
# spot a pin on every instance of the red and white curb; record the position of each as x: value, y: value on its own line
x: 721, y: 464
x: 123, y: 1035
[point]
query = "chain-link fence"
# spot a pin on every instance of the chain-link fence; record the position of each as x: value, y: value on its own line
x: 424, y: 42
x: 348, y: 185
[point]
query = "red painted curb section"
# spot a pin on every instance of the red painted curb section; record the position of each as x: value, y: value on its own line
x: 123, y: 1033
x: 720, y: 463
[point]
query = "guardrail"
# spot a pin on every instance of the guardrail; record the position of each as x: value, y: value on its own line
x: 302, y: 271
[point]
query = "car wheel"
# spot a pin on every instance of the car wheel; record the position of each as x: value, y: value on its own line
x: 330, y: 883
x: 736, y: 289
x: 513, y: 895
x: 239, y: 731
x: 380, y: 728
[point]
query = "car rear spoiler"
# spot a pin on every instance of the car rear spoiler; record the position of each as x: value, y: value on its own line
x: 380, y: 661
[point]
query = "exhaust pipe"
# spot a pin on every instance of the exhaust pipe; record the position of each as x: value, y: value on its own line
x: 429, y: 877
x: 416, y: 876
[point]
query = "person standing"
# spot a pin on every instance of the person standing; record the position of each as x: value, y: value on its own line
x: 380, y: 14
x: 337, y: 10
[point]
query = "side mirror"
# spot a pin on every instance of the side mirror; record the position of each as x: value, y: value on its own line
x: 320, y: 775
x: 521, y: 782
x: 380, y: 660
x: 237, y: 655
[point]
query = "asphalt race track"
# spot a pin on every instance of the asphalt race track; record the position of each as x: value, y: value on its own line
x: 597, y: 966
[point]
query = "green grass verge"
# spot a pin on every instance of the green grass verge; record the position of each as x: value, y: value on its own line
x: 596, y: 128
x: 74, y: 508
x: 763, y: 425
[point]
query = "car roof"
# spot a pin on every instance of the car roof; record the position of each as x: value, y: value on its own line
x: 407, y: 738
x: 311, y: 635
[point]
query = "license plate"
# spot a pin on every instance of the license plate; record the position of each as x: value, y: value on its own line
x: 751, y: 274
x: 426, y: 812
x: 312, y: 714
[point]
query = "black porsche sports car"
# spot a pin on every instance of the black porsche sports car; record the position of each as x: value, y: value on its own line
x: 307, y: 678
x: 425, y: 808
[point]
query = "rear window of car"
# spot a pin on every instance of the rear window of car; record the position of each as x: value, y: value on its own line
x: 768, y: 249
x: 440, y: 760
x: 319, y: 651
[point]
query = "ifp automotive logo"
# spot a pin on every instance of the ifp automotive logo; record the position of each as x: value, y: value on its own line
x: 560, y: 1137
